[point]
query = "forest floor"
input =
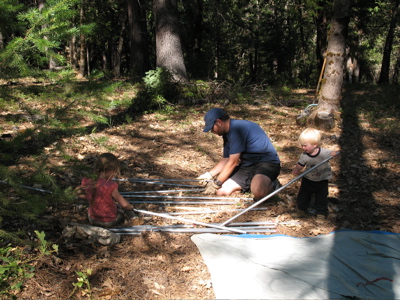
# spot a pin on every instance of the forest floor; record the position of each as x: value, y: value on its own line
x: 364, y: 194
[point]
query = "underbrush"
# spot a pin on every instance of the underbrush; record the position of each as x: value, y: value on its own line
x: 17, y: 264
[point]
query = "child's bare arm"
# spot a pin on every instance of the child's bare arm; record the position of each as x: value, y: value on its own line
x: 121, y: 200
x: 334, y: 153
x: 297, y: 169
x: 80, y: 192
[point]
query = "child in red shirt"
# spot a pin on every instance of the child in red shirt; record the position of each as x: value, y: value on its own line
x: 103, y: 195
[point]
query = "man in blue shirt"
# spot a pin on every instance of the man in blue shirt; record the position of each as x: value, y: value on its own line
x: 250, y: 161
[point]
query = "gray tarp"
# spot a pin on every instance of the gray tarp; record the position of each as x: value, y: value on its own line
x: 344, y: 263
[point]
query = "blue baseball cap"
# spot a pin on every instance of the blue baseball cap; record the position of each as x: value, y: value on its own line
x: 211, y: 116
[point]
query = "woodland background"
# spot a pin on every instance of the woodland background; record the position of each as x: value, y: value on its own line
x: 81, y: 77
x: 274, y: 42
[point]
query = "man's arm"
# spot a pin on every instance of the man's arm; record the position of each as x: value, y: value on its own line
x: 209, y: 175
x: 228, y: 165
x: 219, y: 167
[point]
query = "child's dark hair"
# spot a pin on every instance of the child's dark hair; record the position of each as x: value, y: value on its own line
x: 107, y: 163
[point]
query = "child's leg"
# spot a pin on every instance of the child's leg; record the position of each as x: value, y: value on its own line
x: 304, y: 195
x: 321, y: 198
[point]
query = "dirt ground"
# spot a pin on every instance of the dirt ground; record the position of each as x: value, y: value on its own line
x: 363, y: 194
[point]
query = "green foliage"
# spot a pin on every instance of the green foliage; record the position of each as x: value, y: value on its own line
x: 62, y: 107
x: 44, y: 247
x: 13, y: 270
x: 8, y: 10
x: 157, y: 92
x: 18, y: 199
x: 45, y: 30
x: 15, y: 266
x: 83, y: 282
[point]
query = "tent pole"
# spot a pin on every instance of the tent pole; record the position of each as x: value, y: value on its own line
x: 275, y: 192
x: 189, y: 221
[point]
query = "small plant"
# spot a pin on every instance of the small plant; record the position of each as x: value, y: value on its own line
x: 83, y: 281
x: 128, y: 119
x: 158, y: 91
x: 15, y: 266
x: 13, y: 271
x: 43, y: 245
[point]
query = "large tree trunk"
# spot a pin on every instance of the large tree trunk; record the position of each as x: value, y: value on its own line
x: 139, y: 50
x: 385, y: 68
x: 331, y: 88
x: 168, y: 41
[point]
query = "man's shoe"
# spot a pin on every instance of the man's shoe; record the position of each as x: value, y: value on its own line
x: 299, y: 214
x: 276, y: 184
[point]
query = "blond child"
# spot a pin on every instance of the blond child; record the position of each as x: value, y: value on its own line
x: 316, y: 181
x: 105, y: 201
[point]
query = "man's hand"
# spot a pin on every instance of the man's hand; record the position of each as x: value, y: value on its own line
x: 205, y: 177
x: 211, y: 188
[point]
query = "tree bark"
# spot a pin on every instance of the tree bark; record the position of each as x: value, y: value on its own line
x: 139, y: 50
x: 52, y: 63
x: 82, y: 46
x: 1, y: 41
x: 331, y: 87
x: 321, y: 21
x: 385, y: 68
x: 117, y: 49
x: 168, y: 41
x: 396, y: 71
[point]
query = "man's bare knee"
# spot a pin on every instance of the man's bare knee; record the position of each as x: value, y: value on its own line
x: 221, y: 192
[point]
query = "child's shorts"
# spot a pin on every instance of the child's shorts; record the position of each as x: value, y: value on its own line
x: 118, y: 220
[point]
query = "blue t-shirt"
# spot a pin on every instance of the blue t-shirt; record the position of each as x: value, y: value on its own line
x: 249, y: 139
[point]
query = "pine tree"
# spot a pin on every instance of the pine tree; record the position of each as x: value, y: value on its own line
x: 45, y: 32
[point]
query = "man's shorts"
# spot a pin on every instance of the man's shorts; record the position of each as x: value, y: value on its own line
x: 243, y: 175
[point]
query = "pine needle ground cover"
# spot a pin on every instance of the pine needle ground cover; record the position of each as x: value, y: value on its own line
x: 52, y: 132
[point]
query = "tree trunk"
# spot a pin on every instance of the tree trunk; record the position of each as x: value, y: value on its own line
x: 385, y: 68
x: 1, y: 41
x: 396, y: 71
x: 139, y: 50
x: 321, y: 26
x: 117, y: 50
x: 168, y: 41
x: 82, y: 47
x: 331, y: 88
x: 52, y: 63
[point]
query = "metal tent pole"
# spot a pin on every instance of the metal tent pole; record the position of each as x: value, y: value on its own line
x: 183, y: 202
x: 208, y: 211
x: 189, y: 221
x: 162, y: 191
x: 157, y: 179
x: 275, y: 192
x: 29, y: 187
x: 259, y: 229
x: 185, y: 197
x: 158, y: 182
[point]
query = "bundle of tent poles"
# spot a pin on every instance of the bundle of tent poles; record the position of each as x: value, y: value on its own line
x: 240, y: 228
x: 223, y: 227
